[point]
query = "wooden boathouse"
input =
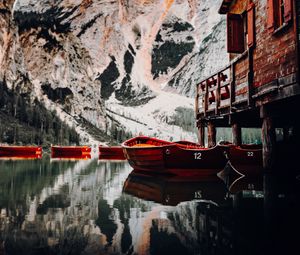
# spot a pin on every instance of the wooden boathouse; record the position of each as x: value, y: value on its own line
x: 260, y: 87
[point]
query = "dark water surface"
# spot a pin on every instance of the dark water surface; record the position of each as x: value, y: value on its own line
x: 103, y: 207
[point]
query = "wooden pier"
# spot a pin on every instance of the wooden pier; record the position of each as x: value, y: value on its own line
x: 260, y: 86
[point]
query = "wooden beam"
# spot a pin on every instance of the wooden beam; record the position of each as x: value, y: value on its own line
x: 206, y: 98
x: 224, y: 8
x: 285, y: 130
x: 236, y: 134
x: 197, y: 101
x: 268, y: 142
x: 232, y: 86
x: 250, y: 77
x: 211, y: 134
x: 218, y: 93
x: 201, y: 137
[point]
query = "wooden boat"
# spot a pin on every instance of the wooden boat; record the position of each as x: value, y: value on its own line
x: 246, y: 159
x: 171, y: 190
x: 20, y: 151
x: 111, y: 152
x: 70, y: 151
x: 181, y: 158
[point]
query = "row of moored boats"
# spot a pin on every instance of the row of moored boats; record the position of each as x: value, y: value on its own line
x: 153, y: 155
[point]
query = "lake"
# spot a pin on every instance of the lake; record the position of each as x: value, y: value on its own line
x: 104, y: 207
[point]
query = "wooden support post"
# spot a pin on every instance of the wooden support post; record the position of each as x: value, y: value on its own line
x: 268, y: 139
x: 285, y: 133
x: 250, y: 77
x: 232, y: 86
x: 218, y: 94
x: 197, y: 102
x: 211, y: 134
x: 206, y: 98
x: 236, y: 134
x: 201, y: 129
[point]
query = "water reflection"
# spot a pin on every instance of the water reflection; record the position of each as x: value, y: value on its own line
x: 69, y: 158
x: 103, y: 207
x: 171, y: 190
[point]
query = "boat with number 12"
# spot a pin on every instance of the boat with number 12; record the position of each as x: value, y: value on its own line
x: 180, y: 158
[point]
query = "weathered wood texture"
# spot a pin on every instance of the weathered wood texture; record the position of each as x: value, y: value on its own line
x: 211, y: 134
x: 274, y: 54
x: 268, y: 138
x: 201, y: 135
x: 236, y: 134
x: 268, y: 142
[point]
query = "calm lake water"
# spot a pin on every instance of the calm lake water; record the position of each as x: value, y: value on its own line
x: 104, y: 207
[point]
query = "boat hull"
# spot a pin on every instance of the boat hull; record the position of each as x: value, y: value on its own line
x: 185, y: 159
x: 111, y: 152
x: 70, y: 151
x: 21, y: 151
x: 246, y: 160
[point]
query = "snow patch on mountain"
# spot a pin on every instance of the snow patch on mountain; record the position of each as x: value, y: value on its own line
x: 152, y: 118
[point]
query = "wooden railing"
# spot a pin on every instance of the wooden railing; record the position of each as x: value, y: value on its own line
x: 218, y: 91
x: 214, y: 92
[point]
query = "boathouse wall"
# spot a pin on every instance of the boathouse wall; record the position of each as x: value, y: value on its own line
x: 274, y: 58
x: 274, y: 55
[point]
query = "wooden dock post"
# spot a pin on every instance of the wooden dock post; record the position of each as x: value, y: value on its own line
x: 268, y: 139
x: 285, y: 130
x: 201, y: 130
x: 236, y: 130
x: 211, y: 134
x: 236, y: 134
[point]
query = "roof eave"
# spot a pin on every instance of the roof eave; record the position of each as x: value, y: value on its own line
x: 224, y: 8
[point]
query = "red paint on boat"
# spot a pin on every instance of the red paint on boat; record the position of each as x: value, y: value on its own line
x: 179, y: 158
x: 246, y: 159
x: 111, y: 152
x: 21, y: 151
x: 70, y: 151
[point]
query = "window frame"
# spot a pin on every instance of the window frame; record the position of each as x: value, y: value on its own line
x: 279, y: 14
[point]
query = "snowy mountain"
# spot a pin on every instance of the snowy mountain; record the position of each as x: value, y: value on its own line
x: 125, y: 67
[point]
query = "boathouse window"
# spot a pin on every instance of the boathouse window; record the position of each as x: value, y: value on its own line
x: 235, y: 33
x: 241, y: 30
x: 279, y: 13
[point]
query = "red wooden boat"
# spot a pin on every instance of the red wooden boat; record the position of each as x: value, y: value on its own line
x: 171, y: 190
x: 70, y: 151
x: 20, y: 151
x: 246, y: 159
x: 180, y: 158
x: 111, y: 152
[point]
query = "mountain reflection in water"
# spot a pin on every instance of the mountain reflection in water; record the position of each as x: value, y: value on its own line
x: 104, y: 207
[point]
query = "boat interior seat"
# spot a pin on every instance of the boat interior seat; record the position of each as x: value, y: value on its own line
x: 144, y: 145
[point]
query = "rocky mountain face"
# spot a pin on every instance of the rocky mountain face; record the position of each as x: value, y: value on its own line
x: 76, y: 56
